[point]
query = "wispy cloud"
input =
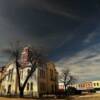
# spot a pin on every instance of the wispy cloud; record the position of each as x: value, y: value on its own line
x: 93, y: 35
x: 90, y: 37
x: 84, y: 64
x: 65, y: 40
x: 51, y: 7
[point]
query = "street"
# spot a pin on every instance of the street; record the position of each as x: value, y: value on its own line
x: 4, y: 98
x: 78, y: 97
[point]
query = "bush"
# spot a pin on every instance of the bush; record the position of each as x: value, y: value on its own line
x: 71, y: 91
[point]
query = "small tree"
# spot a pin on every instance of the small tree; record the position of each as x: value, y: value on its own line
x: 35, y: 59
x: 66, y: 78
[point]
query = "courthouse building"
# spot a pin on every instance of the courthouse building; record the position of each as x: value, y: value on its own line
x: 43, y: 81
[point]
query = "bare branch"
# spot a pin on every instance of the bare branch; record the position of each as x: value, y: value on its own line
x: 67, y: 78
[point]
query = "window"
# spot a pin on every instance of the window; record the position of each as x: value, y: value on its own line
x: 83, y: 85
x: 31, y: 86
x: 9, y: 89
x: 10, y: 75
x: 28, y: 71
x: 97, y: 84
x: 94, y: 84
x: 27, y: 86
x: 51, y: 74
x: 52, y: 88
x: 42, y: 86
x: 42, y: 73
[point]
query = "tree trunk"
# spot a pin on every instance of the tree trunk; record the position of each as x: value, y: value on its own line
x: 21, y: 93
x: 65, y: 89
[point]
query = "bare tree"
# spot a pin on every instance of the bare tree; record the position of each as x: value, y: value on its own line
x: 66, y: 78
x: 35, y: 59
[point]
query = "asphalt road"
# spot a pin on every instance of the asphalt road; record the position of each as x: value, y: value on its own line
x: 80, y: 97
x: 3, y: 98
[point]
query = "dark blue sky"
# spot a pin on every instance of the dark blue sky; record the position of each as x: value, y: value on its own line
x: 67, y: 29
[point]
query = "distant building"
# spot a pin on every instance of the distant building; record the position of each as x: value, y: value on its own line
x: 61, y: 86
x: 43, y: 81
x: 85, y: 86
x: 88, y: 86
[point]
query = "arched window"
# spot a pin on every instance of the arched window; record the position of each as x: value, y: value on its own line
x: 9, y: 89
